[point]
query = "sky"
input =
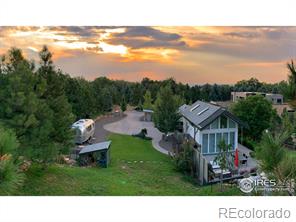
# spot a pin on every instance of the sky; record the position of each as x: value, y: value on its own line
x: 194, y: 55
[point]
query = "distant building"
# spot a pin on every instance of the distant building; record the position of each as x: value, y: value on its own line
x: 273, y: 98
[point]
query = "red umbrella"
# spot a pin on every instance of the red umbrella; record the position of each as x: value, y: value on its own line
x: 236, y: 158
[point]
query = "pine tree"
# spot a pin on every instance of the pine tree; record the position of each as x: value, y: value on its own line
x: 123, y: 105
x: 22, y: 107
x: 147, y: 100
x: 57, y: 101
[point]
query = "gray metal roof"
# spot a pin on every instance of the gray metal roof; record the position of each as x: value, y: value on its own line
x: 95, y: 147
x: 148, y: 111
x: 201, y: 114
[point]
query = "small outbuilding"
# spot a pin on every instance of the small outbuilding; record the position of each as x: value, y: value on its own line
x: 98, y: 154
x: 148, y: 115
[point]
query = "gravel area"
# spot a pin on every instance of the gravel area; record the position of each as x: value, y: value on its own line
x: 132, y: 124
x: 101, y: 134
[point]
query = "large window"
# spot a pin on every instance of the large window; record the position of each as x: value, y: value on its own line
x: 212, y: 143
x: 223, y: 122
x: 232, y: 140
x: 225, y: 137
x: 218, y: 139
x: 205, y: 143
x: 231, y: 123
x: 215, y: 124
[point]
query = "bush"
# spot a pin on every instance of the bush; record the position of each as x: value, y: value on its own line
x: 142, y: 135
x: 252, y: 154
x: 249, y: 143
x: 183, y: 160
x: 11, y: 178
x: 287, y: 168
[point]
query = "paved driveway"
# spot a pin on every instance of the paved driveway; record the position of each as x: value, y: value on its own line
x: 132, y: 124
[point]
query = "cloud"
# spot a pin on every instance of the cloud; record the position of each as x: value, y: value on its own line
x: 143, y: 31
x: 146, y: 37
x: 190, y: 54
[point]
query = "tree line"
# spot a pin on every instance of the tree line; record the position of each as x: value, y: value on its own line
x: 39, y: 102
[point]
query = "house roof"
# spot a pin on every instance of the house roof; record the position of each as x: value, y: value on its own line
x: 201, y: 114
x: 95, y: 147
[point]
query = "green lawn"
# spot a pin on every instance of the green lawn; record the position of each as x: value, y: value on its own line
x: 155, y: 175
x: 292, y: 153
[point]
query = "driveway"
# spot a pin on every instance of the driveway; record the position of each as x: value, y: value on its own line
x: 132, y: 124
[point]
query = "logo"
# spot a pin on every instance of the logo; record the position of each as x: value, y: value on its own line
x: 246, y: 185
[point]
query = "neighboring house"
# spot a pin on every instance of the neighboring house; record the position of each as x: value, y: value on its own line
x: 207, y: 124
x: 273, y: 98
x: 277, y: 100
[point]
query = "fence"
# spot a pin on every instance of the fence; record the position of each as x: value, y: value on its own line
x: 201, y: 167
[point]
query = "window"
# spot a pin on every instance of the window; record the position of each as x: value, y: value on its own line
x: 223, y: 122
x: 218, y: 139
x: 225, y: 137
x: 215, y: 124
x: 205, y: 143
x: 232, y: 140
x: 231, y: 124
x: 212, y: 143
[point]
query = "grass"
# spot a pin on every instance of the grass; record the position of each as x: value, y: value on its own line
x: 126, y: 175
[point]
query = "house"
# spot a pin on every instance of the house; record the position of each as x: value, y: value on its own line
x: 273, y: 98
x: 208, y: 124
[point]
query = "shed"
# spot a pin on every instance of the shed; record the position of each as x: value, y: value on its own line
x: 148, y: 115
x: 98, y: 153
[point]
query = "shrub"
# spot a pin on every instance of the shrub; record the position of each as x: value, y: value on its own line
x: 286, y: 168
x: 11, y: 178
x: 143, y: 134
x: 252, y: 154
x: 183, y: 160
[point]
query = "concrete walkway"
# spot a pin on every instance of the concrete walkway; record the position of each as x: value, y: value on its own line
x: 132, y: 124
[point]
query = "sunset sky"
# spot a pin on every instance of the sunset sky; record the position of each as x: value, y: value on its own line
x: 193, y: 55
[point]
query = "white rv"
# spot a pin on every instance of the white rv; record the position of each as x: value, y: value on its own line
x: 85, y: 129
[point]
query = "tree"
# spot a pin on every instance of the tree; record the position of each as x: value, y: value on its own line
x: 22, y: 107
x: 270, y: 151
x: 166, y: 115
x: 147, y: 100
x: 57, y: 101
x: 274, y: 159
x: 10, y: 176
x: 123, y: 105
x: 223, y: 159
x: 184, y: 159
x: 290, y: 91
x: 257, y: 112
x: 107, y: 103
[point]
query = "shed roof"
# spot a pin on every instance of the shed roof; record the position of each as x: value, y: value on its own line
x: 96, y: 147
x: 148, y: 111
x: 201, y: 114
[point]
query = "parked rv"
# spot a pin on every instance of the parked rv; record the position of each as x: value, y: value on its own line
x: 84, y: 129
